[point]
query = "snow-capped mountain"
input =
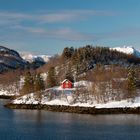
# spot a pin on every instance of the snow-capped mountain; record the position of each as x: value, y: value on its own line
x: 127, y: 50
x: 33, y: 58
x: 10, y: 59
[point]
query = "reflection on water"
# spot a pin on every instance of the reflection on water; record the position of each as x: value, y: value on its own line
x: 44, y: 125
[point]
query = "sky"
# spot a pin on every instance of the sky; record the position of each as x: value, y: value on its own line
x: 47, y: 26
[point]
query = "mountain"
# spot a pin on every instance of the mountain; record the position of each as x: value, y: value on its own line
x: 10, y: 59
x: 127, y: 50
x: 33, y: 58
x: 35, y: 61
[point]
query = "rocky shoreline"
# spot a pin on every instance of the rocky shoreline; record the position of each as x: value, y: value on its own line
x: 75, y: 109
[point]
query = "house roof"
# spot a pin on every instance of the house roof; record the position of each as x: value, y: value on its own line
x: 65, y: 81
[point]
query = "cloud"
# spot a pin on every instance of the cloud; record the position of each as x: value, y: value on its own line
x: 12, y: 15
x: 74, y: 35
x: 69, y: 34
x: 58, y: 33
x: 14, y: 22
x: 50, y: 16
x: 9, y: 18
x: 36, y: 30
x: 72, y: 15
x: 19, y: 24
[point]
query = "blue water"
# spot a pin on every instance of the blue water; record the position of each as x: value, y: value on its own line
x: 44, y: 125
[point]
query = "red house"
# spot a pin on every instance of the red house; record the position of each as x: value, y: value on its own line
x: 67, y: 84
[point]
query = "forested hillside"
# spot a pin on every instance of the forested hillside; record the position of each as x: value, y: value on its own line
x: 77, y: 61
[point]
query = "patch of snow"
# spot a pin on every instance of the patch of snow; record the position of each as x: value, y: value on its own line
x: 12, y: 89
x: 64, y: 89
x: 28, y: 99
x: 56, y: 102
x: 7, y: 93
x: 127, y: 50
x: 68, y: 101
x: 120, y: 104
x: 115, y: 104
x: 44, y: 76
x: 82, y: 83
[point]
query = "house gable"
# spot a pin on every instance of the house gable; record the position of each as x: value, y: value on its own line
x: 67, y: 84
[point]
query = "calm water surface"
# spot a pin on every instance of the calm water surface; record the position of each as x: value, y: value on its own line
x: 44, y: 125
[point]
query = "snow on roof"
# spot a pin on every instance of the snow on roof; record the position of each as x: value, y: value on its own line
x: 65, y: 81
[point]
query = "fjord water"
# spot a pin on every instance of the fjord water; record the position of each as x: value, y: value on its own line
x: 44, y: 125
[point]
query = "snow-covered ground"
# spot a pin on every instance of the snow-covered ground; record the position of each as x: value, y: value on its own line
x: 6, y: 93
x: 120, y: 104
x: 67, y: 101
x: 66, y: 97
x: 11, y: 92
x: 13, y: 89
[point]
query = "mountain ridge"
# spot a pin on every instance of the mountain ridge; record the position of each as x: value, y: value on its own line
x: 10, y: 59
x: 127, y: 50
x: 31, y: 57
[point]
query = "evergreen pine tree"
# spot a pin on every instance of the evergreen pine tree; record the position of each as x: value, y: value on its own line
x: 69, y: 76
x: 67, y: 53
x: 39, y: 83
x: 51, y: 78
x: 28, y: 86
x: 39, y: 86
x: 131, y: 83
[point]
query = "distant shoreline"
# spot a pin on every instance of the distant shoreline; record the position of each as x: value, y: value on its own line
x: 5, y: 97
x: 75, y: 109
